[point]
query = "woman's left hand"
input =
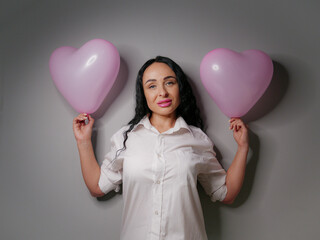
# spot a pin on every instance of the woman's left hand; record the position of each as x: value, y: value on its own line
x: 240, y: 132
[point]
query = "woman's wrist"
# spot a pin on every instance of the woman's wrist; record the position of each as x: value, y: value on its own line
x: 83, y: 141
x: 243, y: 148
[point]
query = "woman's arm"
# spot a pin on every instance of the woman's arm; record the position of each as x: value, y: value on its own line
x: 89, y: 166
x: 236, y: 171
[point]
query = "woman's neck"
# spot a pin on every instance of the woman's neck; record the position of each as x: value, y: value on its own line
x: 162, y: 123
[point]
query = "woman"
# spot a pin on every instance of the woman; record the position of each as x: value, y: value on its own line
x: 160, y: 156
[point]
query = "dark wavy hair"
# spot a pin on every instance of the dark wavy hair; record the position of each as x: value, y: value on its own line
x: 187, y: 108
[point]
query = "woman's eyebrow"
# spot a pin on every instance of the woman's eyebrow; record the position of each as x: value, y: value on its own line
x: 150, y: 80
x: 154, y: 80
x: 169, y: 77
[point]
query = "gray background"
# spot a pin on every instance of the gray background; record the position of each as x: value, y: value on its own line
x: 43, y: 195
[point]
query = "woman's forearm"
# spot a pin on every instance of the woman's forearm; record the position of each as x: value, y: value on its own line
x: 89, y: 167
x: 235, y: 174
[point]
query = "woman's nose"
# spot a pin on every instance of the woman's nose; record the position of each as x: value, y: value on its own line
x: 163, y: 92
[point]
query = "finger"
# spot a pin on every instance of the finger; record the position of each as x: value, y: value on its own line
x: 75, y: 120
x: 85, y: 116
x: 235, y: 122
x: 238, y: 125
x: 82, y: 117
x: 232, y: 119
x: 239, y: 122
x: 234, y: 127
x: 91, y: 120
x: 79, y: 122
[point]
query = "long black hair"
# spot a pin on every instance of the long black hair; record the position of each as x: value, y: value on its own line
x: 187, y: 108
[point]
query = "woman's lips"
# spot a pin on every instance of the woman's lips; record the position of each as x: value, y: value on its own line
x: 165, y: 103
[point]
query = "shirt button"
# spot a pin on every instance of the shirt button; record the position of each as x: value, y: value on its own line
x: 156, y: 213
x: 158, y: 182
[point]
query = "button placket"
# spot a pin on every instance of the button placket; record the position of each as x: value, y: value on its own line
x: 163, y: 160
x: 157, y: 188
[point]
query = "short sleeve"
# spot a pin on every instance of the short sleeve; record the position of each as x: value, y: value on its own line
x: 212, y: 176
x: 111, y: 167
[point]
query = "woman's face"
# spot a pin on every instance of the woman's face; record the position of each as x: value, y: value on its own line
x: 161, y: 89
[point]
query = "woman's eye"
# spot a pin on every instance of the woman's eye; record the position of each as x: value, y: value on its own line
x: 152, y: 86
x: 170, y: 83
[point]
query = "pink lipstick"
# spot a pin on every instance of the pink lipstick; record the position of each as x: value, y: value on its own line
x: 165, y: 103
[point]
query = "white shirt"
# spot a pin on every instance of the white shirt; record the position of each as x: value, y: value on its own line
x: 159, y: 173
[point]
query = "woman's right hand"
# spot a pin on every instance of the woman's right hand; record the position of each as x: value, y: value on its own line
x: 81, y: 130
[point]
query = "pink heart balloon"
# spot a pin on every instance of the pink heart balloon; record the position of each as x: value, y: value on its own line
x: 84, y: 76
x: 235, y: 81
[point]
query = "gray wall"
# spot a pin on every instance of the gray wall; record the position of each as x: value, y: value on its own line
x: 43, y: 195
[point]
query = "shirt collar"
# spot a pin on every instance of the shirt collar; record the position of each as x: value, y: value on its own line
x: 179, y: 124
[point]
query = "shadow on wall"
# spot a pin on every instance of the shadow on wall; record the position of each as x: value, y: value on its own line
x: 250, y: 171
x: 211, y: 214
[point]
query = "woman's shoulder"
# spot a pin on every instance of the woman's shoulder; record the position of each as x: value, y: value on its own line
x: 199, y: 134
x: 118, y: 135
